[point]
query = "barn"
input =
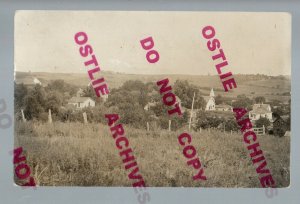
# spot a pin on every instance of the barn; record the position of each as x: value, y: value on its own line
x: 81, y: 102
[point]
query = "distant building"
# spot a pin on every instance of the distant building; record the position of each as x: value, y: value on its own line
x: 28, y: 81
x: 261, y: 111
x: 104, y: 97
x: 223, y: 107
x: 36, y: 81
x: 210, y: 101
x: 149, y: 105
x: 81, y: 102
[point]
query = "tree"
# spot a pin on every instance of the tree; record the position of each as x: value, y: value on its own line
x: 132, y: 114
x: 54, y: 101
x: 185, y: 92
x: 279, y: 111
x: 90, y: 92
x: 242, y: 102
x: 33, y: 108
x: 20, y: 93
x: 275, y: 103
x: 62, y: 87
x: 279, y: 127
x: 260, y: 99
x: 262, y: 122
x: 34, y: 103
x: 204, y: 121
x: 231, y: 124
x: 219, y: 99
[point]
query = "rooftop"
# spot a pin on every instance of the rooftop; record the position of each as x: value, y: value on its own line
x: 261, y: 108
x: 223, y: 106
x: 79, y: 99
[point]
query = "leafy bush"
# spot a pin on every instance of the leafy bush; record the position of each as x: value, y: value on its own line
x: 262, y: 122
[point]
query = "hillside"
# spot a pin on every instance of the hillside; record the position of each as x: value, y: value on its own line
x: 251, y: 85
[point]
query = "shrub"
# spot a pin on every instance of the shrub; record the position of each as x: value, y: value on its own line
x: 262, y: 122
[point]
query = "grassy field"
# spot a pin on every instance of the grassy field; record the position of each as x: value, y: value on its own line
x: 74, y: 154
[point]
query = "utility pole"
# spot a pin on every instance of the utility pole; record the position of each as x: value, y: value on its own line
x: 192, y: 112
x: 49, y: 116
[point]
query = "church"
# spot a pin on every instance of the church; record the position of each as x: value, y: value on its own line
x: 211, y: 103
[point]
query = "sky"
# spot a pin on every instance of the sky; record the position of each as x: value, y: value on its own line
x: 253, y: 43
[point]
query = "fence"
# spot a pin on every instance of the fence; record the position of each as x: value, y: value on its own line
x: 259, y: 131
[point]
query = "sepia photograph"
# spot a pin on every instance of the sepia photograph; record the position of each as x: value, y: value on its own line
x: 153, y: 98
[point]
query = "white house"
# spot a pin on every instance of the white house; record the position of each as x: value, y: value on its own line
x: 104, y: 97
x: 36, y: 81
x: 149, y: 105
x: 81, y: 102
x: 27, y: 80
x: 261, y: 111
x: 223, y: 107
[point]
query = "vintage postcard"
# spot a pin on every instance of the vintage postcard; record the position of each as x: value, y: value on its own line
x: 152, y: 99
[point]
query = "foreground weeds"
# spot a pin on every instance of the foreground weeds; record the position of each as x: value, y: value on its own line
x: 75, y: 154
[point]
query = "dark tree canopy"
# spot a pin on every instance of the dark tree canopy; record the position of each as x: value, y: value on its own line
x: 260, y: 99
x: 20, y: 93
x: 262, y: 122
x: 185, y: 92
x: 219, y: 99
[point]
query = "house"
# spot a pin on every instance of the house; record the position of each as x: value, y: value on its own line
x: 27, y: 80
x: 104, y: 97
x: 223, y: 107
x: 260, y: 111
x: 149, y: 105
x: 81, y: 102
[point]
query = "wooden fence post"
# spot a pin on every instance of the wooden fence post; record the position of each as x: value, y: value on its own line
x: 200, y: 130
x: 169, y: 125
x: 231, y: 132
x: 148, y: 126
x: 264, y: 129
x: 23, y: 116
x: 190, y: 122
x: 49, y: 116
x: 84, y: 117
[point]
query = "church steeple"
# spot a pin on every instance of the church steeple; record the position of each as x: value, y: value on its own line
x: 211, y: 104
x: 212, y: 93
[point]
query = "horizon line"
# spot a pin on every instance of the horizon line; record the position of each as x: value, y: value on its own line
x: 145, y: 74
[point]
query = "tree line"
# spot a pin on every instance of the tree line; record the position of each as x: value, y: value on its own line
x: 129, y: 101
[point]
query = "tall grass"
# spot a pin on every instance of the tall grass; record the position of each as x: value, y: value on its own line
x: 76, y: 154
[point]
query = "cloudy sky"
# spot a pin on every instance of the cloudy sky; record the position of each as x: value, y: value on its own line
x: 252, y: 42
